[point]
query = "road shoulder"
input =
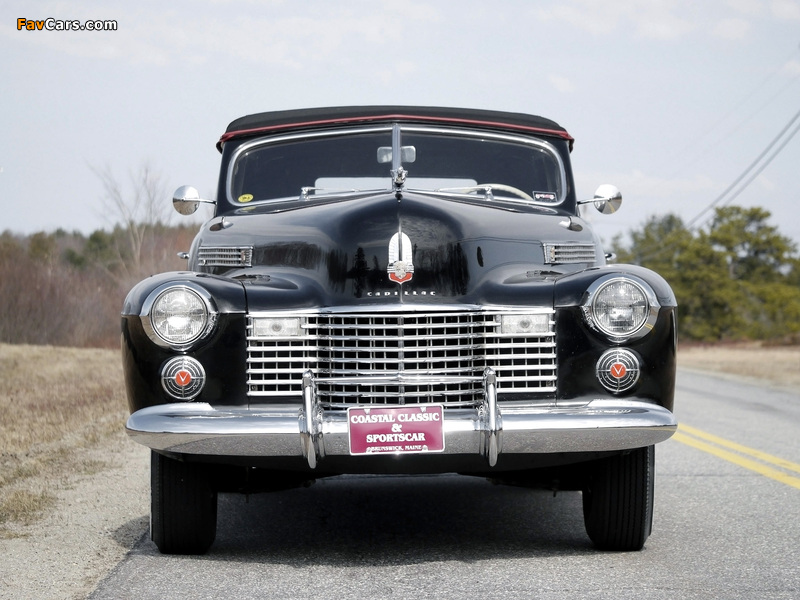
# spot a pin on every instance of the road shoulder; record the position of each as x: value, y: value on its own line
x: 98, y: 517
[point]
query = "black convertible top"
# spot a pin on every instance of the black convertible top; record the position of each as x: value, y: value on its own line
x: 267, y: 122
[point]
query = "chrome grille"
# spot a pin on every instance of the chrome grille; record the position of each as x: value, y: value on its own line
x: 225, y: 256
x: 399, y: 358
x: 564, y: 254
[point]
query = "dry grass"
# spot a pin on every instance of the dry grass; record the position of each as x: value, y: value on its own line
x: 779, y: 365
x: 24, y: 506
x: 53, y: 401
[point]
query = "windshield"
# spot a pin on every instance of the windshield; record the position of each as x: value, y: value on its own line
x: 435, y: 159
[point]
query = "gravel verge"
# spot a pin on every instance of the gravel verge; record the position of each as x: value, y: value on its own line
x: 96, y: 520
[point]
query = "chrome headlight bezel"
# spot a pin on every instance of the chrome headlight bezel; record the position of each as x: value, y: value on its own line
x: 644, y: 309
x: 204, y: 315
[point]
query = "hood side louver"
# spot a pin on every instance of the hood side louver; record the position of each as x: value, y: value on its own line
x: 225, y: 256
x: 565, y: 254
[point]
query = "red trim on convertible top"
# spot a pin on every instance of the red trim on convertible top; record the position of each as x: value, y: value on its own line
x: 554, y: 132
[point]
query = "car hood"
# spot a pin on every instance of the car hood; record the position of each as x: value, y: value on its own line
x: 381, y: 249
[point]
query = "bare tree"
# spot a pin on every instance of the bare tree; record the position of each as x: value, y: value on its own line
x: 139, y: 211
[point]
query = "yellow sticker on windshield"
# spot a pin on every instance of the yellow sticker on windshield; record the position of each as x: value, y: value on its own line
x: 245, y: 197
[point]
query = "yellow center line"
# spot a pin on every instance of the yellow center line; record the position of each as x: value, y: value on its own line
x: 694, y: 438
x: 762, y: 456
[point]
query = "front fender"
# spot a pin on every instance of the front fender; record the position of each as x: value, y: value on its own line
x: 222, y: 353
x: 578, y: 359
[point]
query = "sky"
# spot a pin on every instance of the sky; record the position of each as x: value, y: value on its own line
x: 683, y: 105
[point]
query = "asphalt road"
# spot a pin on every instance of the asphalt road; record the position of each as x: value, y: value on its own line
x: 727, y: 525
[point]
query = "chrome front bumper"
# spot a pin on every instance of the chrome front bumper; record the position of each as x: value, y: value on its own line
x: 494, y: 428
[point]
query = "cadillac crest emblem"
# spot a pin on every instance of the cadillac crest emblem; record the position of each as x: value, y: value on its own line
x: 400, y: 268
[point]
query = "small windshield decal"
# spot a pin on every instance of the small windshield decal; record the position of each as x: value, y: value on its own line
x: 245, y: 198
x: 544, y: 196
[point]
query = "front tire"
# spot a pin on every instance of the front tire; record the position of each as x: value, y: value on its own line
x: 618, y: 500
x: 183, y: 506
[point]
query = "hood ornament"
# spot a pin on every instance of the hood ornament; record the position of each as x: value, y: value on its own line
x: 399, y: 178
x: 400, y: 268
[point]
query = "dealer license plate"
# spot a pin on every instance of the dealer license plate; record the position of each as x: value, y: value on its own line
x: 400, y: 429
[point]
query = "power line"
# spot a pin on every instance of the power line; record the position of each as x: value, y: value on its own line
x: 698, y: 149
x: 750, y: 168
x: 744, y: 174
x: 764, y: 166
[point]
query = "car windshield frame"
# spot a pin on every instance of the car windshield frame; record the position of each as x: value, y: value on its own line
x: 307, y: 192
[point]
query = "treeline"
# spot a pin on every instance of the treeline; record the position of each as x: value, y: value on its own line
x: 67, y: 289
x: 736, y: 279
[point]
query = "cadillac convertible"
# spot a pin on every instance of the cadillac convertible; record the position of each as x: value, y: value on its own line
x: 399, y: 290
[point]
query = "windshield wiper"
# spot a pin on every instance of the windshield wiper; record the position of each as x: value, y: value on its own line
x: 305, y: 196
x: 328, y: 192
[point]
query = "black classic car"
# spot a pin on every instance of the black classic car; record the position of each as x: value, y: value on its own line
x: 391, y: 289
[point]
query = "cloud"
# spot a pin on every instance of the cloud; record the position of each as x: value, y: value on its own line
x: 660, y: 24
x: 766, y: 183
x: 791, y: 68
x: 667, y: 20
x: 748, y: 7
x: 597, y: 23
x: 647, y: 187
x: 561, y: 84
x: 399, y: 70
x: 786, y: 9
x: 663, y: 20
x: 646, y: 195
x: 732, y: 29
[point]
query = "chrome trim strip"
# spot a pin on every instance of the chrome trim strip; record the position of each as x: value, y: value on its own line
x: 417, y: 309
x: 264, y: 431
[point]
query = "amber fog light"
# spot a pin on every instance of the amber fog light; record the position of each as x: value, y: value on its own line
x: 618, y: 370
x: 183, y: 377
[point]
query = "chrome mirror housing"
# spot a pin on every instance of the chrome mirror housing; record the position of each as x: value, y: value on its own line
x: 607, y: 199
x: 186, y: 200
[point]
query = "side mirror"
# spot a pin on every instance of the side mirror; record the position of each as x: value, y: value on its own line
x: 607, y: 199
x: 186, y: 199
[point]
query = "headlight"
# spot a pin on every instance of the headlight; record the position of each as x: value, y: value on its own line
x: 176, y: 316
x: 622, y: 308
